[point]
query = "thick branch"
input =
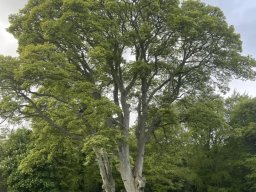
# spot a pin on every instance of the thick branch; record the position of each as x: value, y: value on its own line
x: 48, y: 119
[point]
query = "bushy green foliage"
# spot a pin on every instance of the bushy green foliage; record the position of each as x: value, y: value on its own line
x: 48, y: 163
x: 243, y: 119
x: 14, y: 150
x: 195, y: 152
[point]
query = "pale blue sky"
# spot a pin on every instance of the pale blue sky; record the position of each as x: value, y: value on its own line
x: 240, y: 13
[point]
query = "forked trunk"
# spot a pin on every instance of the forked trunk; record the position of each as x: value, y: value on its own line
x: 132, y: 178
x: 132, y: 181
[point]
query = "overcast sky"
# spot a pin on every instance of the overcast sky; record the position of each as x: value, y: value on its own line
x: 240, y: 13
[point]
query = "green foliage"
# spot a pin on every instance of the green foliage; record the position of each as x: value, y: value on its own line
x: 207, y: 133
x: 74, y: 84
x: 47, y: 163
x: 14, y: 150
x: 165, y: 167
x: 243, y: 119
x: 243, y: 113
x: 3, y: 182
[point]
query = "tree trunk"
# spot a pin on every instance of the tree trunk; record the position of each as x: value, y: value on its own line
x: 105, y: 170
x: 139, y: 179
x: 132, y: 181
x: 132, y: 178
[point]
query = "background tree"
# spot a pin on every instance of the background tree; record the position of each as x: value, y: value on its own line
x: 13, y: 150
x: 47, y: 162
x: 3, y: 182
x: 208, y: 132
x: 165, y: 166
x: 243, y: 122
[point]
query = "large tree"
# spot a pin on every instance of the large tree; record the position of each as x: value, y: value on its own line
x: 85, y: 65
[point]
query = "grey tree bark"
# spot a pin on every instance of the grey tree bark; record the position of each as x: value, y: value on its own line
x: 105, y: 170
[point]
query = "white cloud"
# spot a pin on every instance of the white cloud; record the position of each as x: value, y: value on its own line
x: 243, y: 87
x: 8, y: 44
